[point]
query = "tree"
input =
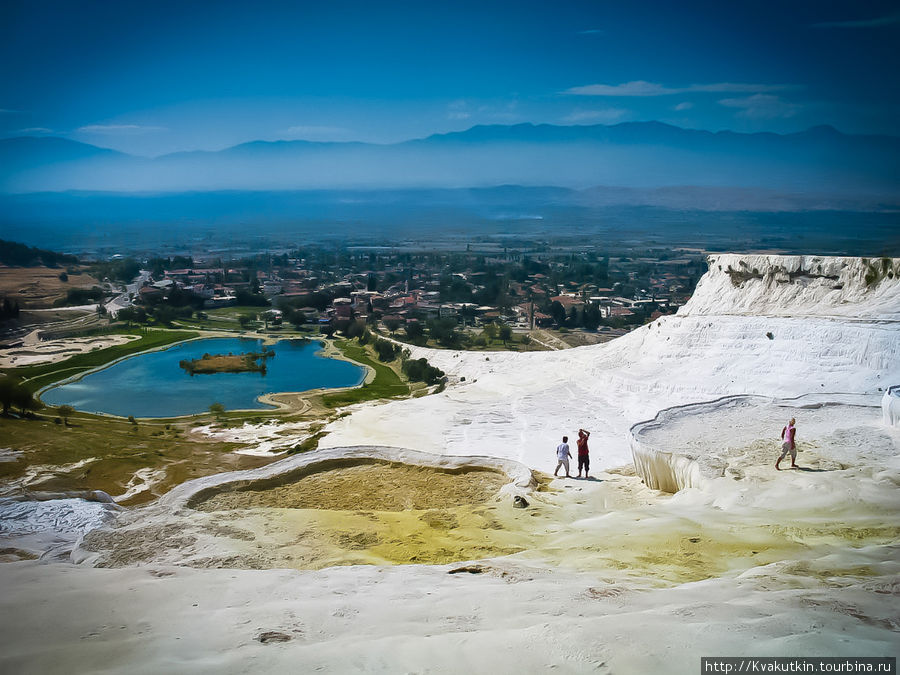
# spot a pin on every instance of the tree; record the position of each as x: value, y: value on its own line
x: 355, y: 329
x: 8, y: 387
x: 385, y: 349
x: 414, y: 330
x: 392, y: 325
x: 246, y: 319
x: 129, y: 314
x: 217, y: 409
x: 591, y: 316
x: 165, y: 314
x: 505, y: 333
x: 558, y: 312
x: 65, y: 411
x: 15, y: 394
x: 24, y: 401
x: 419, y: 370
x: 297, y: 318
x: 444, y: 332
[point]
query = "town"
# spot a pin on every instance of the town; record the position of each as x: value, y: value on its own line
x: 510, y: 299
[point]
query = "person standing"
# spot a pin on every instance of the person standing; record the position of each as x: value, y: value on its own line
x: 584, y: 458
x: 788, y: 434
x: 562, y: 456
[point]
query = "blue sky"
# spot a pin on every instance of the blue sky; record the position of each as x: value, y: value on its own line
x: 157, y: 77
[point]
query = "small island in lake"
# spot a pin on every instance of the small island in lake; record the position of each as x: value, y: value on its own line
x: 251, y: 362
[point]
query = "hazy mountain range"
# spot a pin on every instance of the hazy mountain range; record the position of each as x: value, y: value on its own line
x: 640, y: 162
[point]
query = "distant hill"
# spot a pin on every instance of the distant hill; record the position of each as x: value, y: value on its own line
x: 14, y: 254
x: 29, y: 152
x: 638, y: 155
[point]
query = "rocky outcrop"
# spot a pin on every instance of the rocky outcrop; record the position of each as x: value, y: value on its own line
x: 799, y: 286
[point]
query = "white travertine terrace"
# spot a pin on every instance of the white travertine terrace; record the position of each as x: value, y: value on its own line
x: 744, y: 561
x: 519, y: 405
x: 693, y: 445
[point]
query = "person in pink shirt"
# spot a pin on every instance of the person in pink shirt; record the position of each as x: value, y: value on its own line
x: 788, y: 445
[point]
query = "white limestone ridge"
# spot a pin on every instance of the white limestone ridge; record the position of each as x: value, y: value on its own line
x: 777, y: 285
x: 774, y: 326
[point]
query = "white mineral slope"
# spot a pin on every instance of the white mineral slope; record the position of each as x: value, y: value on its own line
x: 420, y: 619
x: 519, y: 405
x: 624, y: 579
x: 798, y: 286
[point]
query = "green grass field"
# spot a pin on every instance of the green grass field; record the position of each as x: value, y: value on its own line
x: 387, y: 384
x: 112, y: 451
x: 39, y: 376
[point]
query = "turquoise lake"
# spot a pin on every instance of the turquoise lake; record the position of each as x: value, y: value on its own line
x: 154, y: 385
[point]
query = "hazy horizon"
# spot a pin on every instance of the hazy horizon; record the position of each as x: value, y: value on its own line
x: 150, y: 79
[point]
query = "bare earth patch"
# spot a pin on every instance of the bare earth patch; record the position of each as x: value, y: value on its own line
x: 53, y: 351
x: 38, y: 287
x: 370, y: 487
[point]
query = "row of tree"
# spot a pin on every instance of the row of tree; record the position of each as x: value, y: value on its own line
x: 14, y: 254
x: 14, y: 394
x: 416, y: 370
x: 123, y: 270
x: 81, y: 296
x: 9, y: 309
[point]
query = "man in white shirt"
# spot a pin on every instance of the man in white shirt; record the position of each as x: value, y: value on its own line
x: 563, y: 454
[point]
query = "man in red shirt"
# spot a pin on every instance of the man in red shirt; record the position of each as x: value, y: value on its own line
x: 584, y: 458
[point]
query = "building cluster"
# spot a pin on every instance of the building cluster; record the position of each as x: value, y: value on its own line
x: 472, y: 290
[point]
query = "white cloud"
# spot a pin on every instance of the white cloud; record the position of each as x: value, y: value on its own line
x: 602, y: 115
x: 314, y: 131
x: 462, y: 109
x: 644, y: 88
x: 761, y: 107
x: 36, y: 130
x: 685, y: 105
x: 591, y: 31
x: 877, y: 22
x: 458, y: 110
x: 8, y: 111
x: 118, y: 129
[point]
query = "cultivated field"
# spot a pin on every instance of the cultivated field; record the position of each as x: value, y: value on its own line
x: 39, y: 287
